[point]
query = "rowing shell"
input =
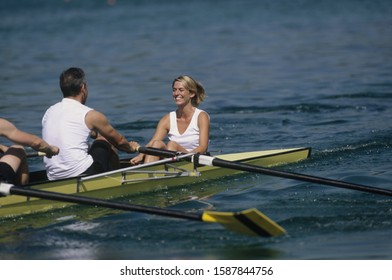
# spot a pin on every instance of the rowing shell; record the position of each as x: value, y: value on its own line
x: 133, y: 180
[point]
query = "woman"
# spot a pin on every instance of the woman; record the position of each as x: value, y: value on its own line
x: 187, y: 128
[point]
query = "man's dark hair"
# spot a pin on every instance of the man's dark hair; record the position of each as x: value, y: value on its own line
x: 71, y: 81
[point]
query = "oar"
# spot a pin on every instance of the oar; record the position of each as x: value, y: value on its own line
x: 250, y: 222
x: 214, y: 161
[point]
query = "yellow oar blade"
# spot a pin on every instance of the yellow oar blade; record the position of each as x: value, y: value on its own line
x: 250, y: 222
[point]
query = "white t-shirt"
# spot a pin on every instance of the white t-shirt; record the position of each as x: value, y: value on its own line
x: 64, y: 126
x: 190, y: 138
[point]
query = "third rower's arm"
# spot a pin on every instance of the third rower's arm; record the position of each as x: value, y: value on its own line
x: 20, y: 137
x: 98, y: 122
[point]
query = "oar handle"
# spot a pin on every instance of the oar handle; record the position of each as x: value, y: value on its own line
x: 35, y: 154
x: 157, y: 152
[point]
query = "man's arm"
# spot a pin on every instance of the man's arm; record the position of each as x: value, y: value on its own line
x: 98, y: 122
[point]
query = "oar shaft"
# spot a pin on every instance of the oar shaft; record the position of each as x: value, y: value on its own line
x: 102, y: 203
x: 301, y: 177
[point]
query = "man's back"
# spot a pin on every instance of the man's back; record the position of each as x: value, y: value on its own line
x: 63, y: 124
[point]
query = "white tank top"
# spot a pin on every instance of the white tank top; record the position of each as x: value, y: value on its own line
x: 190, y: 138
x: 64, y: 126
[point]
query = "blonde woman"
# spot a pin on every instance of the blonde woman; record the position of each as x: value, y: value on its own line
x: 187, y: 128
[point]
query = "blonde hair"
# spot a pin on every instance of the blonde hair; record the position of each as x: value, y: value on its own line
x: 194, y: 87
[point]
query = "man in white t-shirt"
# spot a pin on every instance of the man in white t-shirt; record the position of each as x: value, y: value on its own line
x: 69, y: 123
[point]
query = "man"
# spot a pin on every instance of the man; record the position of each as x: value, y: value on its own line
x: 69, y: 123
x: 13, y: 163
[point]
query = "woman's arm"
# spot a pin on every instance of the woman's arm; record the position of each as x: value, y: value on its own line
x: 160, y: 134
x: 204, y: 137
